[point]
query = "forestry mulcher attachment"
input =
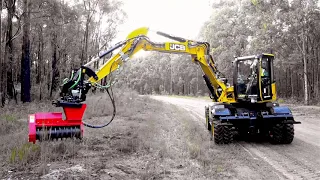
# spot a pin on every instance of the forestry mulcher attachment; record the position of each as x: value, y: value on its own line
x: 246, y: 108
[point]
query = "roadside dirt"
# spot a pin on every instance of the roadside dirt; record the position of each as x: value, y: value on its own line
x: 299, y: 160
x: 165, y: 138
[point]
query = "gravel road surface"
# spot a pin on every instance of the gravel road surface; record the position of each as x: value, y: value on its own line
x: 299, y: 160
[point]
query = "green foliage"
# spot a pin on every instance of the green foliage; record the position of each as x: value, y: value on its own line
x: 9, y: 124
x: 63, y: 35
x: 235, y: 28
x: 278, y: 27
x: 265, y: 26
x: 160, y: 73
x: 255, y: 2
x: 240, y: 28
x: 280, y: 100
x: 24, y: 153
x: 8, y: 117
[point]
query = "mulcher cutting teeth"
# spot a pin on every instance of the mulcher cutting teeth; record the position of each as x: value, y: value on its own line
x: 58, y: 132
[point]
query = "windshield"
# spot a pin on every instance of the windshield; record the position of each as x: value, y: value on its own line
x: 246, y: 77
x: 246, y: 69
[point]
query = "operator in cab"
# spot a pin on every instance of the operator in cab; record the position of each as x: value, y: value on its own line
x: 264, y: 71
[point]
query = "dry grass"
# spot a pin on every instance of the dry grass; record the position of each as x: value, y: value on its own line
x: 140, y: 134
x: 197, y: 143
x: 201, y: 149
x: 17, y: 154
x: 127, y: 102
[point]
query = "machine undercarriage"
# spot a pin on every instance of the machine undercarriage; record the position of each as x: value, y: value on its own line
x: 250, y: 121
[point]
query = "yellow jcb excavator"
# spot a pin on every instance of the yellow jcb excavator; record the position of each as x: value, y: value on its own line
x: 247, y: 108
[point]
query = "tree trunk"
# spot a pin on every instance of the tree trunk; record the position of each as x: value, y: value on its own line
x: 292, y: 83
x: 9, y: 51
x: 86, y: 36
x: 317, y: 73
x: 298, y: 86
x: 25, y: 59
x: 40, y: 56
x: 183, y: 93
x: 305, y: 72
x: 55, y: 70
x: 48, y: 76
x: 313, y: 77
x: 2, y: 64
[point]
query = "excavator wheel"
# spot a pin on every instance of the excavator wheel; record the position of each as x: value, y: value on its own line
x: 222, y: 134
x: 276, y: 134
x: 282, y: 134
x: 288, y: 133
x: 208, y: 125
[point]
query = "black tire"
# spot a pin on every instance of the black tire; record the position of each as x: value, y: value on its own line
x: 276, y: 135
x: 222, y: 134
x: 282, y: 134
x: 288, y: 133
x: 208, y: 125
x: 228, y: 136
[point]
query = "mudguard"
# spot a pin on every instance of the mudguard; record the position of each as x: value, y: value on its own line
x: 281, y: 110
x: 221, y: 112
x: 280, y: 113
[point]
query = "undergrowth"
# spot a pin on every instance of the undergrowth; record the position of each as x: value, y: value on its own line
x: 17, y: 153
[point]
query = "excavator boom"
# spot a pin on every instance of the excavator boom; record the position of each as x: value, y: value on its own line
x: 199, y: 52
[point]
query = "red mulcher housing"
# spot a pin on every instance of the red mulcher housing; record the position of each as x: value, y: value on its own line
x: 51, y: 125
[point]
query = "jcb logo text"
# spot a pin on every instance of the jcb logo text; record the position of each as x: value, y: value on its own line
x: 178, y: 47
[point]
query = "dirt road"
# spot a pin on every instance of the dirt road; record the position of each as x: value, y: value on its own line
x: 299, y: 160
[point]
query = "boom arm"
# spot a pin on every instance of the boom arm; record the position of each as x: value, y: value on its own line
x: 75, y: 89
x: 199, y: 52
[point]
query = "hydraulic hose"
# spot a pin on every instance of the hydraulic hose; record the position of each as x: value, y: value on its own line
x: 109, y: 85
x: 113, y: 114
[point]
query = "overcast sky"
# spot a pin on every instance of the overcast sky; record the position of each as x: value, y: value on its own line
x: 182, y: 18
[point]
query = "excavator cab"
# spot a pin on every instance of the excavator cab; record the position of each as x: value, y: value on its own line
x: 253, y: 78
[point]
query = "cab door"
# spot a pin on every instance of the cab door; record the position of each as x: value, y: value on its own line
x: 266, y: 77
